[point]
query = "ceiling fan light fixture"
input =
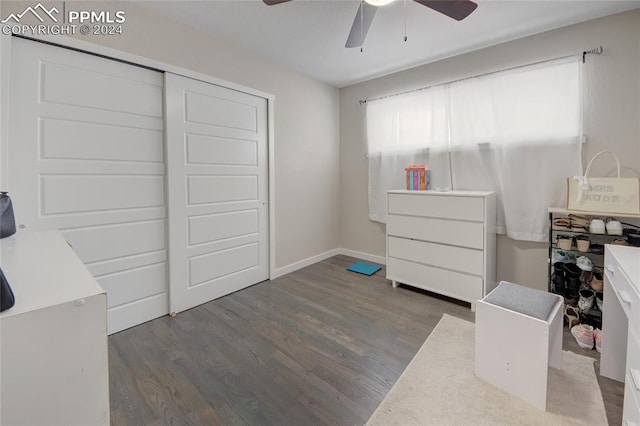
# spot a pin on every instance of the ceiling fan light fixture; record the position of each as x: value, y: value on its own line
x: 378, y: 2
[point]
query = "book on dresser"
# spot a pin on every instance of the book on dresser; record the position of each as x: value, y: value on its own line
x: 443, y: 242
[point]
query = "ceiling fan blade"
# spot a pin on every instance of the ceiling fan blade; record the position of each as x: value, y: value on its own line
x: 361, y: 25
x: 274, y: 2
x: 456, y: 9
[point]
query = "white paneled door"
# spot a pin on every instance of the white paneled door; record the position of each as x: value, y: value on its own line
x: 86, y: 156
x: 217, y: 177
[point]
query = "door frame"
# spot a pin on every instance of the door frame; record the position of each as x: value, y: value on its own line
x: 118, y: 55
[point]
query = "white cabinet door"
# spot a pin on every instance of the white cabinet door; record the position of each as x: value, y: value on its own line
x: 86, y: 156
x: 217, y: 177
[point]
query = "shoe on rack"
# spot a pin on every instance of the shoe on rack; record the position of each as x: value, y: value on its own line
x: 578, y: 221
x: 563, y: 256
x: 599, y: 299
x: 571, y: 270
x: 596, y: 248
x: 571, y: 294
x: 561, y: 224
x: 583, y: 334
x: 564, y: 242
x: 613, y: 227
x: 585, y: 263
x: 558, y: 284
x: 585, y: 302
x: 572, y: 315
x: 582, y: 243
x: 596, y: 283
x: 597, y: 336
x: 597, y: 226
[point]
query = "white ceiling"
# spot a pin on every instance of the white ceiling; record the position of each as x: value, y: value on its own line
x: 309, y: 35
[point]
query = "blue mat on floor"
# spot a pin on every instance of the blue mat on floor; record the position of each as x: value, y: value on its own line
x: 364, y: 268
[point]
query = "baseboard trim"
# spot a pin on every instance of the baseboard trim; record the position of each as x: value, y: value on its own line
x: 278, y: 272
x: 304, y: 263
x: 364, y: 256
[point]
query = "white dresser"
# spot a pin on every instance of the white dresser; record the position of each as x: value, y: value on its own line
x: 620, y: 359
x: 53, y: 352
x: 443, y: 242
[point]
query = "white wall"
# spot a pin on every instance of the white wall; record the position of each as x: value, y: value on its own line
x: 306, y: 120
x: 612, y: 114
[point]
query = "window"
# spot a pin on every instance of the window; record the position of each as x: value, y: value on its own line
x: 517, y: 132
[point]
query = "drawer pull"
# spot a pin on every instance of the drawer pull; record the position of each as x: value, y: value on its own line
x: 625, y: 297
x: 635, y: 378
x: 610, y: 269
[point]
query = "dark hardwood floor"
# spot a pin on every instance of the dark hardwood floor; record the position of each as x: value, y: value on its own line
x: 317, y: 346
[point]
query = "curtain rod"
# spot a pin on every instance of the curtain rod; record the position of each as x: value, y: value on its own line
x: 596, y: 51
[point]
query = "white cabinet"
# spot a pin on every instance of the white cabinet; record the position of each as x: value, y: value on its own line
x: 620, y: 359
x: 443, y: 242
x: 53, y: 342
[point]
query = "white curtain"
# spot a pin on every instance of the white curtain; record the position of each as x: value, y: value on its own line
x: 516, y: 132
x: 402, y: 131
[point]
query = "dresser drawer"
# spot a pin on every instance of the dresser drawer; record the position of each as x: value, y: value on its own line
x: 454, y: 284
x: 439, y: 206
x: 633, y: 362
x: 441, y: 256
x: 631, y: 408
x: 627, y: 295
x: 465, y: 234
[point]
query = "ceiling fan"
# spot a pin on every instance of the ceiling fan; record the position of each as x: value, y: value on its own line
x: 456, y: 9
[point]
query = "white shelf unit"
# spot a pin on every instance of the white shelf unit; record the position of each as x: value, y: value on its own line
x: 443, y: 242
x: 557, y: 212
x: 53, y: 352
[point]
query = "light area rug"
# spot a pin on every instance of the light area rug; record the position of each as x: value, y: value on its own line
x: 439, y: 387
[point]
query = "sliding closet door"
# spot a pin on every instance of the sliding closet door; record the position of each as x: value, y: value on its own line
x: 86, y: 156
x: 217, y: 176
